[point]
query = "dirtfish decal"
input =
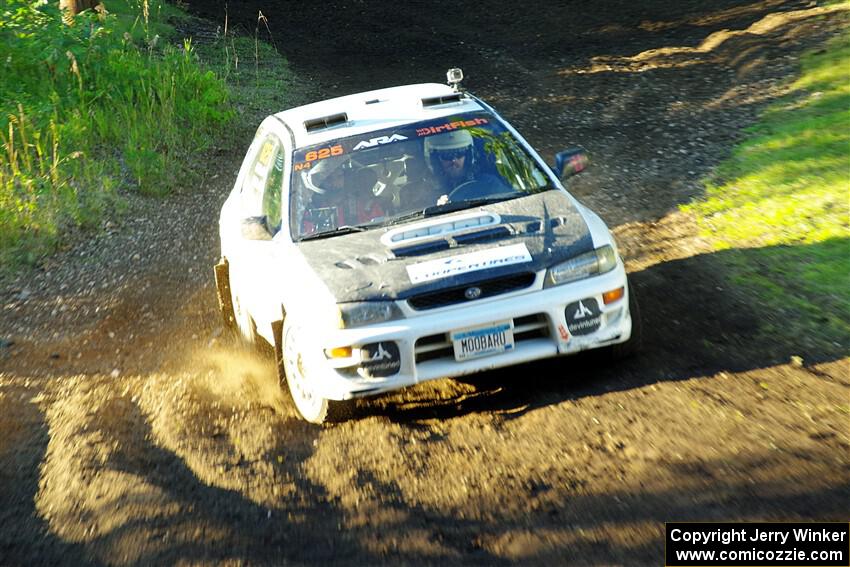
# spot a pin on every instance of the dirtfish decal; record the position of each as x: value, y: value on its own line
x: 449, y: 126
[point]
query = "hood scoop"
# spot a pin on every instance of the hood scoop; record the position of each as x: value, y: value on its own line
x: 446, y: 232
x: 555, y: 222
x: 532, y: 227
x: 360, y: 261
x: 438, y: 228
x: 421, y: 248
x: 435, y: 245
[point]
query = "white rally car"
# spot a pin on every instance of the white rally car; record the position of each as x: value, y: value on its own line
x: 386, y: 238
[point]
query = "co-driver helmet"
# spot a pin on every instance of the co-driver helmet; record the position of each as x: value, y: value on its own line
x: 315, y: 178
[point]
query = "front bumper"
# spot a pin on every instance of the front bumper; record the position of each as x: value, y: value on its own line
x: 540, y: 331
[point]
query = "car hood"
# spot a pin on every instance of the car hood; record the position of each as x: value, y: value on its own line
x: 523, y: 235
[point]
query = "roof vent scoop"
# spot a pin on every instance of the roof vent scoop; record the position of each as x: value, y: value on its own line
x: 324, y: 122
x: 438, y: 100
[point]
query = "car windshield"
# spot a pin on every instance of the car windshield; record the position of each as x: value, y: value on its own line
x: 380, y: 177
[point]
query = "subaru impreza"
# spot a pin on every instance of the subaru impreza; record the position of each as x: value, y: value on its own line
x: 387, y: 238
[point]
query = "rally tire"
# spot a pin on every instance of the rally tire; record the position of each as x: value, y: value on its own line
x: 635, y: 342
x: 311, y: 406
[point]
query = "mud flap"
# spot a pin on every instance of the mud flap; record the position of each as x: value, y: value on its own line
x: 277, y: 333
x: 225, y: 301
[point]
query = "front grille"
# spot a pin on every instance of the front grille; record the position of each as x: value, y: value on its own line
x: 439, y: 346
x: 489, y: 288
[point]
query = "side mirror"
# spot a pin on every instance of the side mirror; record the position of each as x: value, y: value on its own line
x: 256, y: 228
x: 569, y: 162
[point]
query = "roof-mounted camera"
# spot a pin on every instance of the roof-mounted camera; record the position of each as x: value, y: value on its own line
x: 454, y: 77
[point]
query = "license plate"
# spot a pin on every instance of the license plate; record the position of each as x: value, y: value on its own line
x: 475, y: 342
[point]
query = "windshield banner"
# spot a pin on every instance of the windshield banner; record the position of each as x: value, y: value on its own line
x: 304, y: 158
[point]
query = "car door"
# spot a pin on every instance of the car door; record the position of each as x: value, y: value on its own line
x: 260, y: 216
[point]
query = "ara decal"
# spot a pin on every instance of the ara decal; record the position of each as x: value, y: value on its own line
x: 378, y: 141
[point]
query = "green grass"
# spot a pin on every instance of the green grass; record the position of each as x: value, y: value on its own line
x: 256, y: 74
x: 784, y: 195
x: 109, y: 104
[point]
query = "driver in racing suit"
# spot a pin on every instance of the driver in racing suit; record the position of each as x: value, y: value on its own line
x: 451, y: 159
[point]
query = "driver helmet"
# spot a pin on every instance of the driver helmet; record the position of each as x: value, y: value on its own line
x: 316, y: 178
x: 448, y: 143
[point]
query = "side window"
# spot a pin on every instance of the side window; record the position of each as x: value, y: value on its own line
x: 261, y: 190
x: 271, y: 193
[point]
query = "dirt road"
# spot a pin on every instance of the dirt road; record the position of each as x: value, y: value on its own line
x: 131, y: 432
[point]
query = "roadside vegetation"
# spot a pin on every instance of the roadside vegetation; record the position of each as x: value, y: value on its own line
x: 111, y: 104
x: 781, y: 205
x: 257, y: 76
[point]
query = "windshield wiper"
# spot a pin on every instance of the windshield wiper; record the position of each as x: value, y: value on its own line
x: 453, y: 206
x: 407, y: 216
x: 344, y: 229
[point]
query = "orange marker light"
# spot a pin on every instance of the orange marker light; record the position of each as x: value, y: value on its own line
x: 613, y: 295
x: 338, y: 352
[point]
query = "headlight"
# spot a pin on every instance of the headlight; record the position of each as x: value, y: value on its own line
x: 360, y: 313
x: 592, y: 263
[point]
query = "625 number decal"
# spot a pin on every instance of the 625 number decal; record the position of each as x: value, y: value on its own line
x: 323, y: 153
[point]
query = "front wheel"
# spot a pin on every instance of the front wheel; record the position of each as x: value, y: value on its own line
x: 312, y: 407
x: 632, y: 346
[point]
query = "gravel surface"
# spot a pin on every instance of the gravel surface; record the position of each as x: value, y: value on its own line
x: 132, y: 432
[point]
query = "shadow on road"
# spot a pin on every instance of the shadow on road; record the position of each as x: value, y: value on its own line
x: 142, y: 503
x: 25, y: 535
x: 695, y: 324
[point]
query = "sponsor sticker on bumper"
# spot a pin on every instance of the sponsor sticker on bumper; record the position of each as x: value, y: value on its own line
x: 476, y: 342
x: 583, y: 317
